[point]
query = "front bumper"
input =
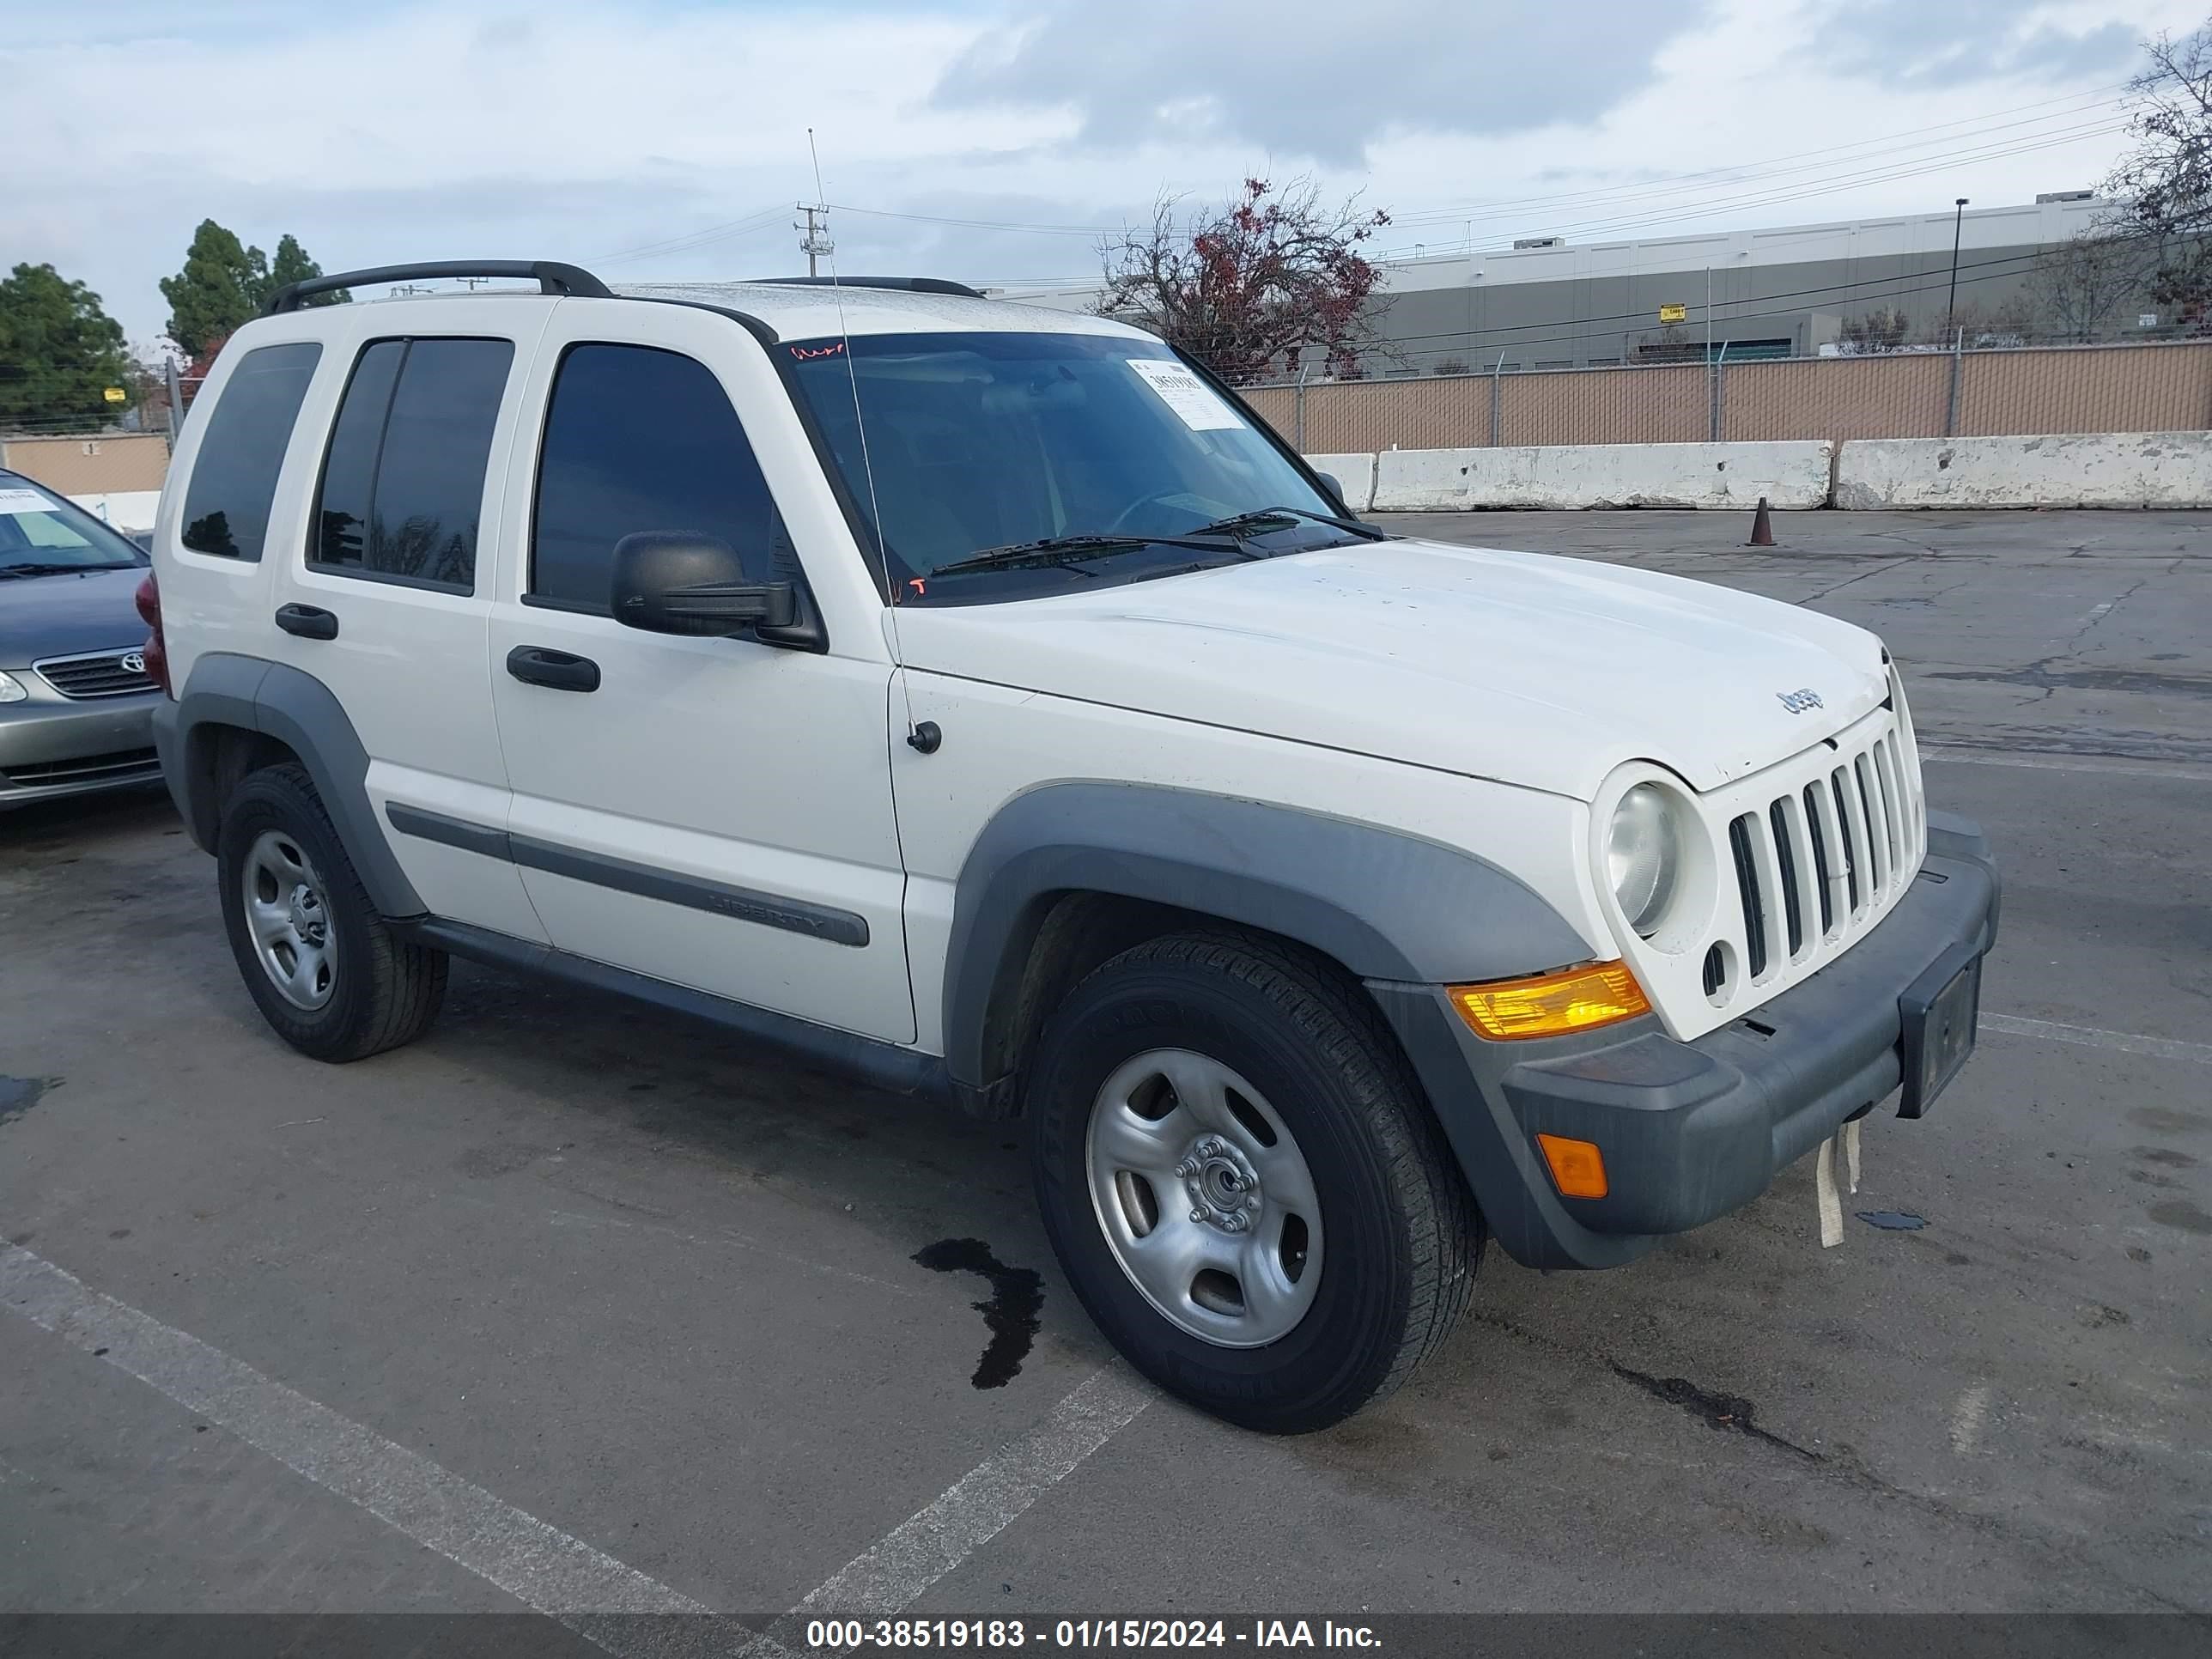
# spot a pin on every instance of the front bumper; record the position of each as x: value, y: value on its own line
x: 1690, y: 1131
x: 51, y: 746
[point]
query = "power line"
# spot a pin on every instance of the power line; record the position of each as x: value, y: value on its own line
x: 1672, y: 183
x: 1666, y: 186
x: 754, y: 221
x: 1616, y: 225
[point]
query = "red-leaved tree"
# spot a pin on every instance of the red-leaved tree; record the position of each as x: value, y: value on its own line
x: 1254, y: 286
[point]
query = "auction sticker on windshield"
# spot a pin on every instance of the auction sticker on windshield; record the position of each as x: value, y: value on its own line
x: 1185, y: 394
x: 16, y: 503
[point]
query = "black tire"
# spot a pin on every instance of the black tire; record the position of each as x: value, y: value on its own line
x: 385, y: 992
x: 1403, y: 1235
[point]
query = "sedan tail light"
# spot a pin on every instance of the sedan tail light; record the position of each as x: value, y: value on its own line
x: 157, y: 650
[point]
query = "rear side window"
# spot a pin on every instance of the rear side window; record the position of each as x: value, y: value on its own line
x: 641, y: 438
x: 234, y: 477
x: 404, y: 482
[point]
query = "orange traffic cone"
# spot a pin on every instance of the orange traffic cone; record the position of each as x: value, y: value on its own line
x: 1762, y: 527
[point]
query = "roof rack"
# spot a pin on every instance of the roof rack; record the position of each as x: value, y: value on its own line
x: 910, y: 284
x: 552, y: 277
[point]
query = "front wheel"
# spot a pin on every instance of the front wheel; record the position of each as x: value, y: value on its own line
x: 1243, y: 1183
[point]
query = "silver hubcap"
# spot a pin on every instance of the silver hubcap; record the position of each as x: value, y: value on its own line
x: 1205, y: 1199
x: 290, y: 922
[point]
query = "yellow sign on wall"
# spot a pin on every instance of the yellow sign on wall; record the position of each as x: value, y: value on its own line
x: 1674, y: 313
x: 116, y: 394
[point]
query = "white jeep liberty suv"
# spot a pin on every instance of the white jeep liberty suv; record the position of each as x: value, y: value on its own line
x: 980, y: 699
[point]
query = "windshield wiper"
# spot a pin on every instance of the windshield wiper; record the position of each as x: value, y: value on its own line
x: 1240, y: 522
x: 55, y: 569
x: 1074, y: 549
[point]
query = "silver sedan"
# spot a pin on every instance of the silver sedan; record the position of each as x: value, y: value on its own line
x: 76, y: 698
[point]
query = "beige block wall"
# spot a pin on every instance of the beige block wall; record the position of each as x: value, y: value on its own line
x: 113, y: 462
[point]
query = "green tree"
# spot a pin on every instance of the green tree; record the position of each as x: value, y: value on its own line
x: 59, y: 351
x: 291, y: 265
x: 224, y: 283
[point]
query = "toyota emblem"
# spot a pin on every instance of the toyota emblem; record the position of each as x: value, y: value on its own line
x: 134, y: 662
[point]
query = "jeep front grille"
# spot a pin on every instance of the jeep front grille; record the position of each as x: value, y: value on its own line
x: 1806, y: 855
x: 1838, y: 847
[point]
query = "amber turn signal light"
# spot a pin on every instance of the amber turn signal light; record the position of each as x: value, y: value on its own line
x: 1577, y: 1166
x: 1552, y: 1005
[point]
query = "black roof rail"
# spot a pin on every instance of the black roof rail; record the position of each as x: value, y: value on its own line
x: 910, y: 284
x: 551, y: 276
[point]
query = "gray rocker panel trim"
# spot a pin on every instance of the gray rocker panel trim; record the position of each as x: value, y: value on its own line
x: 303, y: 714
x: 792, y: 916
x: 885, y: 1065
x: 1383, y: 904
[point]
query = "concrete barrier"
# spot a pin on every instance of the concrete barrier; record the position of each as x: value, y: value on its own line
x: 126, y: 509
x: 1790, y: 475
x: 1355, y: 472
x: 2090, y: 469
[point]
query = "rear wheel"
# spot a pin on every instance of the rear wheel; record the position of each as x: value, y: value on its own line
x: 1242, y: 1182
x: 327, y: 971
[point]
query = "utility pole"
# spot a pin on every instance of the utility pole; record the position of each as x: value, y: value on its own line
x: 815, y: 242
x: 1957, y: 222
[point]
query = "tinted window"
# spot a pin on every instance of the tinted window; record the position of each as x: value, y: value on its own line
x: 227, y: 503
x: 638, y: 439
x: 403, y: 484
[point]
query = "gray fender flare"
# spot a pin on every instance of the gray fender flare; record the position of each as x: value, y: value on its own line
x: 1383, y: 904
x: 302, y: 713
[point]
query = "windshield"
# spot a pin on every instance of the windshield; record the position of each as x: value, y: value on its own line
x: 998, y: 442
x: 41, y: 534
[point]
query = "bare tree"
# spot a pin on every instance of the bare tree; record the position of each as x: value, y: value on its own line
x: 1273, y: 276
x: 1874, y: 333
x: 2008, y: 323
x: 2164, y: 184
x: 2080, y: 288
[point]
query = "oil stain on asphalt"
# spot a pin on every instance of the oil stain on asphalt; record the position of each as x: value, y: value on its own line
x: 1726, y: 1412
x: 1010, y: 1313
x: 19, y: 1094
x: 1895, y: 1221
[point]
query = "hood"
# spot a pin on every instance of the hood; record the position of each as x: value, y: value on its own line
x: 1524, y: 667
x: 62, y: 616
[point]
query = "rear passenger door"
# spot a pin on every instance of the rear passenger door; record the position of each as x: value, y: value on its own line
x: 715, y: 812
x: 382, y: 592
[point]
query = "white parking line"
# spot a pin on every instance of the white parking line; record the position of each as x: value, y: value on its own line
x: 1966, y: 1419
x: 538, y: 1564
x: 2183, y: 771
x: 2089, y: 1036
x: 983, y: 1503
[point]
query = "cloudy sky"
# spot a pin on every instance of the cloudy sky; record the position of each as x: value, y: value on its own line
x: 992, y: 141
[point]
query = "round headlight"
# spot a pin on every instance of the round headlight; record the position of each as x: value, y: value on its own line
x: 1643, y: 853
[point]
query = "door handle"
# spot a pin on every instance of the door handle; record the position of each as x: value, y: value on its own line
x: 308, y: 621
x: 540, y: 664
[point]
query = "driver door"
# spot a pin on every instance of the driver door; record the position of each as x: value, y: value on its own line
x: 715, y: 812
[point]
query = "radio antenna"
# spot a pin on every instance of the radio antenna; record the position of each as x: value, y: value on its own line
x: 859, y: 420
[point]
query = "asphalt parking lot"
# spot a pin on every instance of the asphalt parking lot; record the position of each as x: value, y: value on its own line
x: 342, y: 1337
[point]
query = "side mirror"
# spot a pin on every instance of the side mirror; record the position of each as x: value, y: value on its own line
x: 1335, y: 489
x: 676, y: 582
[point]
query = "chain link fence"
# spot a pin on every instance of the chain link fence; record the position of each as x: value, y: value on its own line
x: 1962, y: 392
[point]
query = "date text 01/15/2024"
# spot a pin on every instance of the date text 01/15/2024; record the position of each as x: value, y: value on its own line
x: 836, y: 1634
